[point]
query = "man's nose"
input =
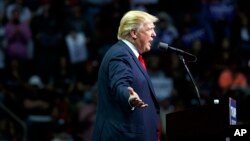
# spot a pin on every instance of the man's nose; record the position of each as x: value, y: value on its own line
x: 153, y: 34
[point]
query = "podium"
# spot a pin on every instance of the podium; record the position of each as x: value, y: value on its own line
x: 207, y: 122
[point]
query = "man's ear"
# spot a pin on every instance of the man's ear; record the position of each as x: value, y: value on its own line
x: 133, y: 34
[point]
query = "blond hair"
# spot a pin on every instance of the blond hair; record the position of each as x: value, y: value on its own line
x: 133, y: 20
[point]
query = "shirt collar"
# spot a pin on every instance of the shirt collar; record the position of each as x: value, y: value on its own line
x: 132, y: 47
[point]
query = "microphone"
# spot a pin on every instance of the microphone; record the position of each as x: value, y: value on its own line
x: 166, y: 47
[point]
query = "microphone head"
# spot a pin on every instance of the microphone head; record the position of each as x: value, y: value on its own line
x: 163, y: 46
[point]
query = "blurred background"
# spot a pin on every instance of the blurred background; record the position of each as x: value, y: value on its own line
x: 50, y: 51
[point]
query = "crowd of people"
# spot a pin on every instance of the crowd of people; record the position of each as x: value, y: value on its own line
x: 50, y: 52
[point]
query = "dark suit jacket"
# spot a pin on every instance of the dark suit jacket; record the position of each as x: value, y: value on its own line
x: 115, y: 121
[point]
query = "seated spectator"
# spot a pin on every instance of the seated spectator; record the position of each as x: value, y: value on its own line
x: 18, y: 37
x: 37, y: 104
x: 76, y: 43
x: 232, y: 82
x: 228, y: 79
x: 166, y: 30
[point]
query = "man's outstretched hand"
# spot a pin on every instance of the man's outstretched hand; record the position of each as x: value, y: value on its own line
x: 134, y: 99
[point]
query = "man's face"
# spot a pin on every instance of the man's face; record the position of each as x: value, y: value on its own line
x: 144, y: 37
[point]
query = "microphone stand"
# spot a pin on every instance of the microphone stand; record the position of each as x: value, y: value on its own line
x: 190, y: 75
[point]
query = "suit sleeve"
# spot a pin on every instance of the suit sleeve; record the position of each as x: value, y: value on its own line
x: 120, y: 76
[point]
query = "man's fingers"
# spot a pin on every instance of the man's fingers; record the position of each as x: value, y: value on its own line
x: 144, y: 105
x: 136, y: 100
x: 139, y: 103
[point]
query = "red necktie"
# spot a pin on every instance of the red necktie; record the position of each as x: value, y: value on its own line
x: 142, y: 61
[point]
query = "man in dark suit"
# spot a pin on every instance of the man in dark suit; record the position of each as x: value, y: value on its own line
x: 127, y: 109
